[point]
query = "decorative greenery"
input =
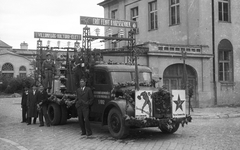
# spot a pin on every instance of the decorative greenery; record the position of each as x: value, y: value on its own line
x: 66, y: 99
x: 162, y: 101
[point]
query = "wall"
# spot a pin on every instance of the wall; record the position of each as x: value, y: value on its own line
x: 16, y: 61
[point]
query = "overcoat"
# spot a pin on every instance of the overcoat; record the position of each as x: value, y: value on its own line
x: 32, y: 104
x: 24, y: 98
x: 42, y: 97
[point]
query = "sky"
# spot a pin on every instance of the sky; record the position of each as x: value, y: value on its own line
x: 19, y: 19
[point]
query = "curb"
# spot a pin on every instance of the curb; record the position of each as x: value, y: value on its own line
x: 222, y: 116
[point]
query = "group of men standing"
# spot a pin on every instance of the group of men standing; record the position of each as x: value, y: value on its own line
x: 34, y: 105
x: 35, y: 101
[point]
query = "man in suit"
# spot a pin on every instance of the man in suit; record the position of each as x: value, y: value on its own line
x: 83, y: 102
x: 24, y: 104
x: 32, y: 105
x: 42, y: 103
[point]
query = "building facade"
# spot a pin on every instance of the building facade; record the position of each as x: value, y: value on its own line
x: 201, y: 34
x: 13, y: 64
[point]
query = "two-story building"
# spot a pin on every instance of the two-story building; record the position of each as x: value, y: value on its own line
x: 202, y: 34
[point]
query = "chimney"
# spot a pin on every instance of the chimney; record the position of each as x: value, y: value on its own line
x: 24, y: 45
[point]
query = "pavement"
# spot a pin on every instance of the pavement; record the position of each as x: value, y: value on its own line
x: 216, y: 112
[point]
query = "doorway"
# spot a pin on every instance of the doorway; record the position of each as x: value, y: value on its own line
x: 173, y: 80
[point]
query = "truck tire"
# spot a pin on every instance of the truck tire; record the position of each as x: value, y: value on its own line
x: 64, y: 114
x: 54, y: 113
x: 165, y: 129
x: 116, y: 124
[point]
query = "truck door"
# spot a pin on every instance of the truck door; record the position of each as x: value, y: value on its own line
x: 102, y: 92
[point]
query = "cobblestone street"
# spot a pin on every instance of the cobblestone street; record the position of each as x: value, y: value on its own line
x: 200, y: 134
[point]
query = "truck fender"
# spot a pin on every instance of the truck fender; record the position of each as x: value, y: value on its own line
x: 120, y: 104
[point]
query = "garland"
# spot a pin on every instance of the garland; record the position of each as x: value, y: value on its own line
x: 162, y: 102
x: 64, y: 100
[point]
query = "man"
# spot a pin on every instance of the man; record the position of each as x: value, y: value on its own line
x: 49, y: 69
x: 42, y: 103
x: 78, y: 68
x: 24, y: 104
x: 83, y: 102
x: 32, y: 105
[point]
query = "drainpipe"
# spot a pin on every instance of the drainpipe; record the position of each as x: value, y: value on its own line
x: 213, y: 48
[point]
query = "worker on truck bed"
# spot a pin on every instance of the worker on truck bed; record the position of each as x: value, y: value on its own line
x: 78, y: 68
x: 49, y: 70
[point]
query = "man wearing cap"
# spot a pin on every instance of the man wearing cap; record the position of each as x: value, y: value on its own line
x: 83, y: 102
x: 78, y: 68
x: 24, y: 104
x: 42, y: 103
x: 49, y: 69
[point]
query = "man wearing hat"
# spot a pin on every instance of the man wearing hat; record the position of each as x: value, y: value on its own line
x: 49, y: 69
x: 83, y: 102
x: 24, y: 104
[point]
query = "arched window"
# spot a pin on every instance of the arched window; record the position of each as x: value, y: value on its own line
x: 225, y: 61
x: 7, y: 70
x: 22, y: 71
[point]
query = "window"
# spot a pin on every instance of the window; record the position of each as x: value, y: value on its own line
x: 101, y: 77
x: 114, y: 42
x: 134, y: 14
x: 174, y: 12
x: 22, y: 71
x: 114, y: 14
x: 7, y: 70
x: 224, y: 10
x: 153, y: 23
x: 225, y: 59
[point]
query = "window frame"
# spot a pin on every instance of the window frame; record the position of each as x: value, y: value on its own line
x: 225, y: 76
x: 174, y: 19
x: 114, y: 14
x: 134, y: 13
x: 22, y: 71
x: 6, y: 71
x: 152, y: 25
x: 221, y: 15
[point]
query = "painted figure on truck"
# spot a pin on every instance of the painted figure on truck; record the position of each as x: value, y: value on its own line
x: 145, y: 96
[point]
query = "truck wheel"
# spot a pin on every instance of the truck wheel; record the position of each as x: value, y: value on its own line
x: 54, y: 113
x: 165, y: 129
x: 64, y: 114
x: 116, y: 125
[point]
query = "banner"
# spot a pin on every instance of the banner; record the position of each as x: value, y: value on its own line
x: 143, y: 104
x: 178, y: 104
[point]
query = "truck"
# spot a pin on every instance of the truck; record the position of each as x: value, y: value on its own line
x: 122, y: 100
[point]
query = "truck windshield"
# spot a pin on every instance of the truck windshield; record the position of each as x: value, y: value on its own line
x: 123, y: 77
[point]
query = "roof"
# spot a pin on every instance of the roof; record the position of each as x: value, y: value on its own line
x: 5, y: 52
x: 122, y: 68
x: 105, y: 2
x: 4, y: 45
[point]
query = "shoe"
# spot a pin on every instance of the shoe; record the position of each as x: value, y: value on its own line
x: 41, y: 125
x: 34, y: 122
x: 89, y: 134
x: 23, y: 121
x: 83, y: 134
x: 28, y: 123
x: 48, y: 125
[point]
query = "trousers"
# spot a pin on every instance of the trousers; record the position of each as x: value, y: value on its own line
x: 83, y: 118
x: 24, y: 113
x: 48, y: 79
x: 43, y: 112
